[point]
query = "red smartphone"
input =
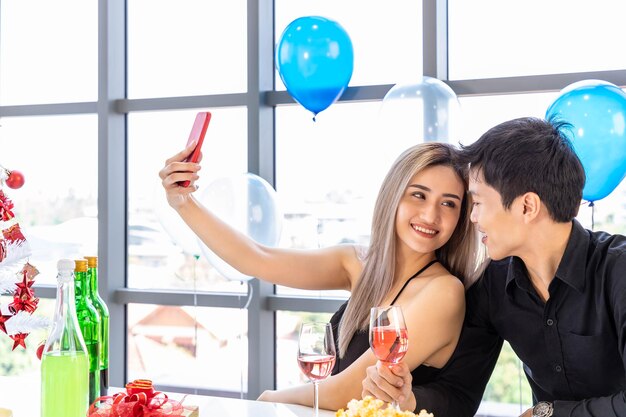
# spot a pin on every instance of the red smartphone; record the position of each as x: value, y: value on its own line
x: 198, y: 131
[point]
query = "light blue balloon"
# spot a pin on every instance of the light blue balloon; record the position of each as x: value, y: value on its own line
x: 597, y: 111
x: 247, y: 203
x: 427, y: 110
x: 315, y: 59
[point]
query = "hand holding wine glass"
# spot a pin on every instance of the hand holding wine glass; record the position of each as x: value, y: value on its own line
x: 316, y: 354
x: 389, y: 338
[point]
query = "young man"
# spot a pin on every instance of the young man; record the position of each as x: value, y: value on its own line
x: 555, y: 291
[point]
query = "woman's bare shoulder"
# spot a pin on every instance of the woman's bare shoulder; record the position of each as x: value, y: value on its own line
x: 441, y: 289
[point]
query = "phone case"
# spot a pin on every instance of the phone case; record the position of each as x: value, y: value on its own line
x: 198, y: 131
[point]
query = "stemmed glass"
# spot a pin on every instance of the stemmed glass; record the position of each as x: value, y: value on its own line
x: 316, y: 354
x: 389, y: 338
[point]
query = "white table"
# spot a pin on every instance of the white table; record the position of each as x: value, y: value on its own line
x: 229, y: 407
x: 21, y: 395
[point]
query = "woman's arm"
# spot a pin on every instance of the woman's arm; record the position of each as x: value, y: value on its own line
x: 433, y: 317
x: 331, y: 268
x: 334, y: 392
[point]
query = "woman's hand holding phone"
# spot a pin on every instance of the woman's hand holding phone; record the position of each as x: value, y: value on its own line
x: 181, y: 170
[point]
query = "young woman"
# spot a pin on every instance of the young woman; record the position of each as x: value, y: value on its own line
x: 421, y: 249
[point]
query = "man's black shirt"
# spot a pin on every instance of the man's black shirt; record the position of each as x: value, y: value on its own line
x: 573, y: 347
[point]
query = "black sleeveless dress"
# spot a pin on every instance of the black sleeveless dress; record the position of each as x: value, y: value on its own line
x: 360, y: 343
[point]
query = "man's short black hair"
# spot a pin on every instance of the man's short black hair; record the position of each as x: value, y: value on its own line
x: 530, y: 155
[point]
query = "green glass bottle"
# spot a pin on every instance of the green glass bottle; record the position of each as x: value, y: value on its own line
x: 64, y: 362
x: 90, y: 324
x: 103, y: 311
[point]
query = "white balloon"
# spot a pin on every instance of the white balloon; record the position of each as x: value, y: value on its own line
x: 173, y: 225
x: 425, y: 111
x: 247, y: 203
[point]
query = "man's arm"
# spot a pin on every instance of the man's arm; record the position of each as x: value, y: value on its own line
x: 459, y: 388
x: 613, y: 405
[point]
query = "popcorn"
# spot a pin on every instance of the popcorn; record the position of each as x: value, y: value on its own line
x: 370, y: 407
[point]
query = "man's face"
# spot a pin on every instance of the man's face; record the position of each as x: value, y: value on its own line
x: 502, y: 231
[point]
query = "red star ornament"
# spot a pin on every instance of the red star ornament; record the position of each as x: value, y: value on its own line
x: 23, y: 288
x: 2, y: 320
x: 19, y: 340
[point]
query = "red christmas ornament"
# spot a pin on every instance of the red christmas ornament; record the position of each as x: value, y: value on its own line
x: 15, y: 180
x: 24, y: 302
x: 2, y: 320
x: 5, y: 207
x: 23, y: 288
x: 30, y: 271
x: 19, y: 340
x: 40, y: 349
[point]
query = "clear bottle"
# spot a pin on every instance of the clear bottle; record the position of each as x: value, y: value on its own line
x: 103, y: 311
x: 90, y: 324
x: 64, y: 363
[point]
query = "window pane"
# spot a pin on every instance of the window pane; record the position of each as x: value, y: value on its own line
x: 186, y: 48
x: 161, y: 247
x: 328, y: 174
x: 288, y: 324
x: 48, y: 51
x: 491, y: 38
x: 58, y: 205
x: 480, y: 113
x: 606, y: 214
x: 508, y: 393
x: 387, y: 41
x: 194, y: 347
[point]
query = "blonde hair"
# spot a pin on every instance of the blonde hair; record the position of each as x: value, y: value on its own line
x: 459, y: 255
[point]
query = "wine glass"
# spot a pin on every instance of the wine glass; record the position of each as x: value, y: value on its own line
x: 389, y: 338
x: 316, y: 354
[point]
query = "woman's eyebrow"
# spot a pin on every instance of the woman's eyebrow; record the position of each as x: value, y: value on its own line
x: 423, y: 187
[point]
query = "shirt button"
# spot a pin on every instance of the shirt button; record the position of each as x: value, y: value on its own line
x: 558, y: 368
x: 549, y: 322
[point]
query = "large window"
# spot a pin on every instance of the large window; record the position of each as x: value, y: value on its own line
x: 49, y: 52
x: 491, y: 38
x: 96, y: 94
x: 186, y: 48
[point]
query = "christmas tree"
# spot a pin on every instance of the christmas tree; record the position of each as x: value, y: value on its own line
x: 17, y: 275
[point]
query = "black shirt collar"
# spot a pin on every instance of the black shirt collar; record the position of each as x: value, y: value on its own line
x: 571, y: 270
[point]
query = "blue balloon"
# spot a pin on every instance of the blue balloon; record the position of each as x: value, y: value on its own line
x: 597, y: 111
x: 315, y: 59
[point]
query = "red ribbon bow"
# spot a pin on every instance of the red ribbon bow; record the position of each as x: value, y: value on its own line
x: 25, y: 303
x: 139, y: 400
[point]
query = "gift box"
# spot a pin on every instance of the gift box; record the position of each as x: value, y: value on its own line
x: 140, y: 399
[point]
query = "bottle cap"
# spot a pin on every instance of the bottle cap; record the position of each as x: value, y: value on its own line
x: 81, y: 265
x: 92, y: 261
x: 66, y: 265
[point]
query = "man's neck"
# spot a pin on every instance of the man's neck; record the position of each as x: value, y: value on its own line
x: 543, y: 255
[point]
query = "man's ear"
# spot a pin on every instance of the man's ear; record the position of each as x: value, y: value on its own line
x: 531, y: 205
